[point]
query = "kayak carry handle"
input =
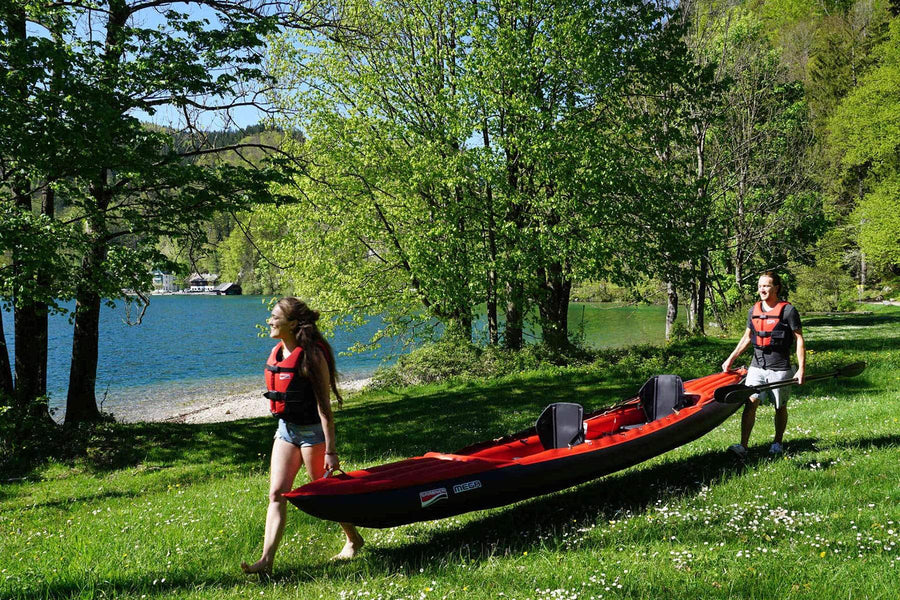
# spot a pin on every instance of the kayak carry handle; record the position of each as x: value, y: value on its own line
x: 330, y: 472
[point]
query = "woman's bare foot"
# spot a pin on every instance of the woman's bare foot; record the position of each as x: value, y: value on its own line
x: 261, y: 567
x: 351, y: 548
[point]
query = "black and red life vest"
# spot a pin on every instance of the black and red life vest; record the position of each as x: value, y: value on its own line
x: 291, y: 395
x: 769, y: 331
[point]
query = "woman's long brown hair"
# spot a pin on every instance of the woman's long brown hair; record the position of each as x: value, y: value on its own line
x: 310, y: 339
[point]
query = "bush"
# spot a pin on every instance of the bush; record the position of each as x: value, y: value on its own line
x: 689, y: 357
x: 824, y: 288
x: 23, y: 439
x: 28, y: 440
x: 458, y: 359
x: 430, y: 363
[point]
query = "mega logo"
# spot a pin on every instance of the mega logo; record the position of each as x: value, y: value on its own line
x: 431, y: 496
x: 467, y: 486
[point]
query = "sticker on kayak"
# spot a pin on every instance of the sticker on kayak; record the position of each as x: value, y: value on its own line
x: 431, y: 496
x: 467, y: 486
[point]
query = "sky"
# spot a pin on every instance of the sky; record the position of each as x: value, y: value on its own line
x: 239, y: 117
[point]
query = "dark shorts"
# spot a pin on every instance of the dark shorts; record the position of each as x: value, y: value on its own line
x: 302, y: 436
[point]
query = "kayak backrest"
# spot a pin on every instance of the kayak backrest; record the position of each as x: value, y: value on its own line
x: 561, y: 425
x: 662, y: 395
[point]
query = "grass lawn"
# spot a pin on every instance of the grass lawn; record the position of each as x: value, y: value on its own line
x: 169, y: 510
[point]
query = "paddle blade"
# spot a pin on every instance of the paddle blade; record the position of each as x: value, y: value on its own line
x: 851, y: 370
x: 733, y: 394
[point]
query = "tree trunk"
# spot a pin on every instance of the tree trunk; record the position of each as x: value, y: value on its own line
x: 30, y: 324
x: 862, y: 274
x: 492, y: 321
x: 81, y: 402
x: 42, y: 322
x: 554, y: 307
x: 6, y: 380
x: 513, y: 333
x: 692, y: 306
x: 30, y: 370
x: 712, y: 303
x: 702, y: 283
x: 671, y: 308
x: 30, y: 334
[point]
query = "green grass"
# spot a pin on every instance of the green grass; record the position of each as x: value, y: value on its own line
x: 169, y: 510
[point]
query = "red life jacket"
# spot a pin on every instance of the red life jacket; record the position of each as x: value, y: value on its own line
x: 291, y: 396
x: 767, y: 328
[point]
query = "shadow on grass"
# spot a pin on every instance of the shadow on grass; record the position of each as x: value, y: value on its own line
x: 118, y: 446
x: 843, y: 389
x: 856, y: 341
x: 449, y: 419
x: 852, y: 320
x: 383, y: 425
x: 167, y: 584
x: 406, y: 423
x: 856, y: 345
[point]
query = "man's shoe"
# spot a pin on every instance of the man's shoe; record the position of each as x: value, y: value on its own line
x: 739, y: 450
x: 775, y: 449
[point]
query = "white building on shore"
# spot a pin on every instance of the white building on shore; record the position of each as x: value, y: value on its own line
x: 202, y: 282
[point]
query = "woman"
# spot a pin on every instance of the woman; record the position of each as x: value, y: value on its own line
x: 305, y: 433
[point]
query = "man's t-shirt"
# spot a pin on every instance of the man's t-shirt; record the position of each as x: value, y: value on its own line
x: 776, y: 359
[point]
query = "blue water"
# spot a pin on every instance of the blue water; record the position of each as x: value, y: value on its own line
x: 186, y: 346
x: 193, y: 347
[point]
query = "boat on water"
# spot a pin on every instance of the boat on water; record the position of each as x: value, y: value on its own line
x: 565, y: 448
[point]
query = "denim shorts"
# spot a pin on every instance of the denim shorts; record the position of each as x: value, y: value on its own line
x: 302, y: 436
x: 779, y: 396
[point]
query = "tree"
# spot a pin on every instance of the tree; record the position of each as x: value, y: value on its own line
x: 680, y: 100
x: 764, y: 192
x: 78, y: 78
x: 461, y: 155
x: 865, y: 134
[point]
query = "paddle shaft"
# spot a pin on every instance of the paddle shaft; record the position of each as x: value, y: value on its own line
x: 743, y: 393
x: 779, y: 384
x: 846, y: 371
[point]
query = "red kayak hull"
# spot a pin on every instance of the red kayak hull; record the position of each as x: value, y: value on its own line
x: 495, y: 473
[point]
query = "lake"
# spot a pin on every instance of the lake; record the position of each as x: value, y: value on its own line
x: 192, y: 346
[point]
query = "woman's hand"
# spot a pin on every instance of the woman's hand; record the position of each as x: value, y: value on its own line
x: 331, y: 461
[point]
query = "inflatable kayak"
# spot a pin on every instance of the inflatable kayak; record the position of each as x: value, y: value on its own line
x: 564, y: 448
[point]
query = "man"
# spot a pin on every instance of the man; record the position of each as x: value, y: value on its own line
x: 772, y: 326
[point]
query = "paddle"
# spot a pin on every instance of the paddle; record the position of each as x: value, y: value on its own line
x: 737, y: 393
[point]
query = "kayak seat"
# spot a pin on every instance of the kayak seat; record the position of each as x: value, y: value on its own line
x: 560, y: 425
x: 663, y: 395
